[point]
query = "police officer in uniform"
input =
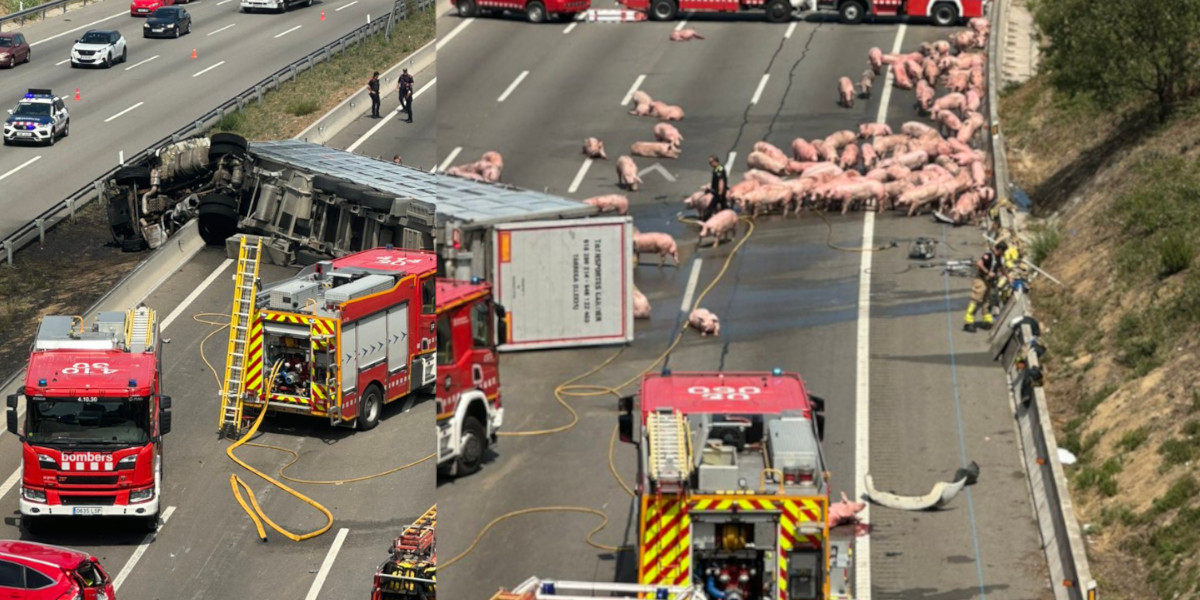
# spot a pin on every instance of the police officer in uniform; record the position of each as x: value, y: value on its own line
x: 406, y: 93
x: 373, y: 91
x: 719, y: 187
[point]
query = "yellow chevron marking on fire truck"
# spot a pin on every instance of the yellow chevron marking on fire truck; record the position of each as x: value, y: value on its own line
x: 323, y: 327
x: 254, y: 365
x: 666, y: 542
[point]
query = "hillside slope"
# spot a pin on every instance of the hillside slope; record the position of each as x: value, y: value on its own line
x: 1118, y: 207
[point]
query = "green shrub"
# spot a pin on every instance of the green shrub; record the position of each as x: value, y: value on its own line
x: 1045, y: 241
x: 1175, y: 253
x: 1180, y: 492
x: 303, y: 106
x: 1177, y: 451
x: 1132, y: 440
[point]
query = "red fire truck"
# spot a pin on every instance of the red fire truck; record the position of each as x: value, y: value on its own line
x: 469, y: 411
x: 942, y: 12
x: 94, y: 419
x: 353, y: 334
x: 410, y: 572
x: 537, y: 11
x: 732, y: 488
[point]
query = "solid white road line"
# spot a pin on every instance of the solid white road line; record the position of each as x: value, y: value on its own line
x: 288, y: 31
x: 21, y: 166
x: 348, y: 5
x: 587, y: 164
x: 208, y: 69
x: 790, y: 30
x: 729, y: 164
x: 636, y: 84
x: 383, y: 122
x: 58, y: 35
x: 693, y: 278
x: 681, y: 25
x: 328, y: 564
x: 570, y: 27
x: 123, y: 112
x: 450, y: 158
x: 512, y: 86
x: 224, y: 2
x: 195, y: 294
x: 453, y: 32
x: 62, y: 62
x: 862, y: 396
x: 221, y: 29
x: 137, y: 64
x: 762, y: 83
x: 12, y: 480
x: 141, y: 549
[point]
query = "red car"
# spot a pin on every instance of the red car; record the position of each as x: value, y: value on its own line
x: 43, y: 572
x: 13, y: 49
x: 143, y: 8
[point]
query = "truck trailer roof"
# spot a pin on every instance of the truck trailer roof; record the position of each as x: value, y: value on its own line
x: 725, y: 393
x: 478, y: 203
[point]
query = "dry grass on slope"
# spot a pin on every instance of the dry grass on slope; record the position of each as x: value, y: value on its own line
x: 1124, y: 359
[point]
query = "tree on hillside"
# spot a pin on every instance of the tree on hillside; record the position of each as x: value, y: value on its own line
x: 1117, y: 51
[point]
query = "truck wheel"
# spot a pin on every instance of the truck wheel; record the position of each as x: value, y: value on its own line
x: 32, y: 525
x: 851, y: 11
x: 368, y: 409
x: 779, y: 11
x: 325, y: 183
x: 470, y: 451
x: 945, y: 14
x: 377, y: 201
x: 139, y: 176
x: 663, y: 10
x: 536, y: 11
x: 217, y: 219
x: 222, y: 144
x: 150, y: 523
x: 466, y: 8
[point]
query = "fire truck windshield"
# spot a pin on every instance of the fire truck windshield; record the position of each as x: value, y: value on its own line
x: 70, y: 421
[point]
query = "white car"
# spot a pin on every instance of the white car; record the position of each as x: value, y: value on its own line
x: 272, y: 5
x: 99, y: 47
x: 40, y: 117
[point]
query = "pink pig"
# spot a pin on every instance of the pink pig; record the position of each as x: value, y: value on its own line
x: 915, y: 128
x: 627, y: 173
x: 642, y: 103
x: 865, y: 83
x: 770, y: 150
x: 654, y: 149
x: 869, y: 157
x: 866, y: 130
x: 839, y: 139
x: 722, y: 223
x: 850, y: 155
x: 846, y: 92
x: 665, y: 132
x: 705, y: 322
x: 699, y: 200
x: 844, y: 512
x: 875, y: 59
x: 667, y: 112
x: 684, y: 35
x: 762, y: 176
x: 760, y: 160
x: 641, y: 306
x: 656, y: 243
x: 609, y: 203
x: 900, y: 73
x: 924, y: 94
x: 594, y: 148
x: 802, y: 150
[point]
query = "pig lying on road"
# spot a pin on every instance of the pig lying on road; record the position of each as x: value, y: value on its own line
x: 654, y: 149
x: 666, y: 112
x: 844, y: 512
x: 641, y: 101
x: 594, y: 148
x: 665, y: 132
x: 684, y: 35
x: 705, y: 322
x: 641, y: 306
x: 609, y: 203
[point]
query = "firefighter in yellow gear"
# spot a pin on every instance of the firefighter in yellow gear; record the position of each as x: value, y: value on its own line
x: 987, y: 269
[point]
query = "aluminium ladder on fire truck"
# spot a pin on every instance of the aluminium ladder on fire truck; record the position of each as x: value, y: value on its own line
x: 546, y: 589
x: 239, y: 326
x: 139, y: 332
x: 670, y: 450
x: 411, y: 571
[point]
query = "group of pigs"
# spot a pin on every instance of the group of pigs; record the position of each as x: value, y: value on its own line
x: 487, y: 168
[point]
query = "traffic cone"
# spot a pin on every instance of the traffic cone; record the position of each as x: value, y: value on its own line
x: 77, y: 98
x: 193, y: 53
x: 322, y: 15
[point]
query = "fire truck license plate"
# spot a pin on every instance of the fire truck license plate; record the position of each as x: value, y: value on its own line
x: 87, y: 510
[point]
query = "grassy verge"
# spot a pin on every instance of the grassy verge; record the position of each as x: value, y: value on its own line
x: 296, y: 104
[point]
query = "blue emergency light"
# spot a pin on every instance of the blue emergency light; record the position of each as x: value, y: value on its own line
x: 547, y: 587
x: 666, y: 372
x: 476, y: 280
x: 42, y: 382
x: 777, y: 371
x: 132, y: 383
x: 388, y: 247
x: 28, y: 96
x: 660, y: 594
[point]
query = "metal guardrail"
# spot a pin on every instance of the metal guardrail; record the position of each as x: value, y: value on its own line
x: 37, y: 228
x: 23, y: 16
x: 1061, y: 539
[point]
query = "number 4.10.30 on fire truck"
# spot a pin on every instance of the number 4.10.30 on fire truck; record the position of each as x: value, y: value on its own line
x: 91, y: 434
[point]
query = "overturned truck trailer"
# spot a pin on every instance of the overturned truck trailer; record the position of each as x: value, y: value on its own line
x: 308, y: 200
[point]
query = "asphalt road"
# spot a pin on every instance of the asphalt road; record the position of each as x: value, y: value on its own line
x: 158, y: 90
x: 788, y: 299
x: 208, y: 547
x: 384, y: 138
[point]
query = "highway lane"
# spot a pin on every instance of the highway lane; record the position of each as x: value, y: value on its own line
x: 384, y: 138
x: 234, y: 51
x: 788, y: 298
x: 208, y: 548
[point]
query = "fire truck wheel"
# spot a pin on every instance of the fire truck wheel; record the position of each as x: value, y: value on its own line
x: 217, y: 218
x: 470, y: 451
x: 32, y: 525
x: 779, y: 11
x: 945, y: 14
x: 536, y: 11
x: 851, y: 11
x: 466, y: 8
x: 368, y: 416
x: 139, y: 176
x: 664, y: 10
x: 150, y: 524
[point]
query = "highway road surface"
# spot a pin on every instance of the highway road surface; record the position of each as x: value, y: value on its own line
x: 207, y: 548
x: 911, y: 397
x: 158, y: 90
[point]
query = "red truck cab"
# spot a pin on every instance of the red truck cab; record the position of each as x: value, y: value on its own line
x: 537, y: 11
x: 94, y: 419
x: 942, y: 12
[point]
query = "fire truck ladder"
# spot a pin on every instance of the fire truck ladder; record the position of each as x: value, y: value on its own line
x: 670, y: 450
x: 239, y: 327
x: 417, y: 538
x: 547, y: 589
x: 139, y: 334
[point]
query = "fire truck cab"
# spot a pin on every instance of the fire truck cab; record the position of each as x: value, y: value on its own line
x: 469, y: 323
x: 95, y: 414
x: 537, y: 11
x: 352, y: 334
x: 733, y: 492
x: 942, y: 12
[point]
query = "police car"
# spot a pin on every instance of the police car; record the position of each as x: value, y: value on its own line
x: 39, y: 117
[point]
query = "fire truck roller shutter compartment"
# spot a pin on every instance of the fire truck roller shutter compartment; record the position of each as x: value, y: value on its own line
x: 349, y: 359
x: 397, y: 338
x: 372, y: 333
